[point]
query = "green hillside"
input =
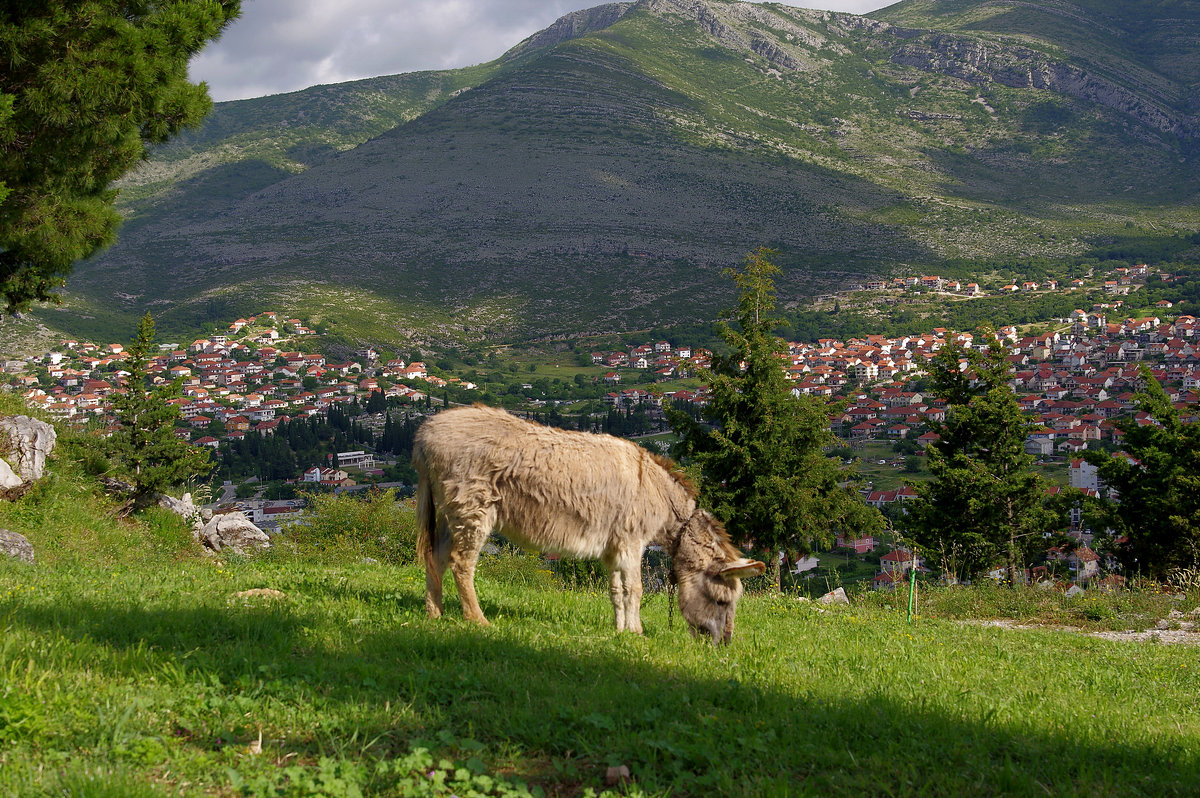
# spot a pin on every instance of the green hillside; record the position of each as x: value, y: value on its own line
x: 601, y: 175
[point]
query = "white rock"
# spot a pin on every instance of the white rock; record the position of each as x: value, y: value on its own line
x: 233, y: 531
x: 835, y: 597
x: 16, y: 546
x: 25, y: 443
x: 181, y: 507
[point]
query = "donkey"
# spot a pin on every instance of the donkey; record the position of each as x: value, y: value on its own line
x: 483, y: 470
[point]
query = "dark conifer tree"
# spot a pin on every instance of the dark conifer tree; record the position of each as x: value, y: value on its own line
x: 986, y: 504
x: 85, y: 87
x: 761, y: 453
x: 145, y: 444
x: 1153, y: 526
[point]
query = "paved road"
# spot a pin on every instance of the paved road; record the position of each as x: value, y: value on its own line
x: 228, y: 494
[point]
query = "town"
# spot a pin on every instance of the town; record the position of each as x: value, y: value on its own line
x: 257, y: 377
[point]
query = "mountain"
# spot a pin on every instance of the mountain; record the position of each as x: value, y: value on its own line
x: 603, y: 173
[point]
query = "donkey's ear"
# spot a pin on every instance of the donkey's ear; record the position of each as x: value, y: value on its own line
x: 742, y: 569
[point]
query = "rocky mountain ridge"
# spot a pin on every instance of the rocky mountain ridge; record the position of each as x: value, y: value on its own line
x: 601, y: 174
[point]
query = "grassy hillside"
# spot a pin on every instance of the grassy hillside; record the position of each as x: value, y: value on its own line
x: 600, y: 177
x: 132, y: 667
x: 246, y: 144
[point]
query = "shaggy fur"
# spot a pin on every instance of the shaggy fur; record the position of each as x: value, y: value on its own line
x: 593, y: 496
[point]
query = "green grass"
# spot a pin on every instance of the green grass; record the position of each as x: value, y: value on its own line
x: 130, y: 667
x: 885, y: 476
x: 1137, y: 609
x: 144, y: 673
x: 158, y: 676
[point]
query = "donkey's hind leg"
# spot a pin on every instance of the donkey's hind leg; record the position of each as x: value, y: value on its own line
x: 469, y: 537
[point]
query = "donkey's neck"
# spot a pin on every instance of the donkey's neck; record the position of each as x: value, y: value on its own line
x: 672, y: 534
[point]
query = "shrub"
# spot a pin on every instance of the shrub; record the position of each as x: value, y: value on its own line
x: 575, y: 574
x: 350, y: 526
x: 513, y: 566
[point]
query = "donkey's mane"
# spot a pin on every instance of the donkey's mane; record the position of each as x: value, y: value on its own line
x: 683, y: 480
x: 677, y: 474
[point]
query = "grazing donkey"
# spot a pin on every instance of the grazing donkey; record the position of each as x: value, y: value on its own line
x: 596, y: 496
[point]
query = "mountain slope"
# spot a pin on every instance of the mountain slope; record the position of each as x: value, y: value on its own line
x: 601, y: 174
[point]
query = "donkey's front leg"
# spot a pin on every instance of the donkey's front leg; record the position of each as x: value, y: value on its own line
x: 625, y: 589
x: 616, y: 592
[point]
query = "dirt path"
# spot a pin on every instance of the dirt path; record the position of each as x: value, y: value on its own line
x: 1186, y: 634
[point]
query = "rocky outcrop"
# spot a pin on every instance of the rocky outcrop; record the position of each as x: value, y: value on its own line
x: 16, y: 546
x: 743, y: 27
x: 218, y: 532
x: 183, y: 507
x: 572, y: 26
x: 230, y: 532
x: 979, y: 62
x: 25, y: 443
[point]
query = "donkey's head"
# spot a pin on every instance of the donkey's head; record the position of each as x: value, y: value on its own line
x: 709, y: 572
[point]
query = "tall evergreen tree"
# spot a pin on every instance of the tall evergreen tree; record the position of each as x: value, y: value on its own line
x: 761, y: 455
x: 1154, y: 522
x: 376, y: 402
x: 84, y: 88
x: 145, y: 443
x: 985, y: 504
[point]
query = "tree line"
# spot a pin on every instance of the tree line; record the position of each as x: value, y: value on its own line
x: 298, y: 444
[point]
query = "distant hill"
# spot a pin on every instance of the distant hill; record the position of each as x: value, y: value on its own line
x: 602, y: 173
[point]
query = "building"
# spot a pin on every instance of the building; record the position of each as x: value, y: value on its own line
x: 355, y: 460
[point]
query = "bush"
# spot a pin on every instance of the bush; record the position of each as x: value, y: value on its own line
x: 575, y: 574
x: 512, y: 566
x: 1185, y: 580
x: 352, y: 526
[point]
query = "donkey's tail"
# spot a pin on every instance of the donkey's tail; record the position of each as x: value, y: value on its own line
x: 426, y: 512
x: 432, y: 542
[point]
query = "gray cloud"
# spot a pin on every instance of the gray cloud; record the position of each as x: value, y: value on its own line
x: 284, y: 45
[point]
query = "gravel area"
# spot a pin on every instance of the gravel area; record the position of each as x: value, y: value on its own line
x: 1185, y: 632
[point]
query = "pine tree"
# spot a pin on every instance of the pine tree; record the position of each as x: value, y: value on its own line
x: 145, y: 444
x: 1154, y: 523
x: 84, y: 88
x: 376, y: 402
x: 761, y: 454
x: 985, y: 504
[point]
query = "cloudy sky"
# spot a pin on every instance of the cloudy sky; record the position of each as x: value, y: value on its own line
x: 285, y: 45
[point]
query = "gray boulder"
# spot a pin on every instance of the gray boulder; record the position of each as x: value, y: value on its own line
x: 835, y: 597
x: 16, y: 546
x: 25, y: 443
x: 182, y: 507
x: 232, y: 531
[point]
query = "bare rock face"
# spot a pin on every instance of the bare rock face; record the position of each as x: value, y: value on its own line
x: 572, y: 26
x: 232, y: 531
x: 16, y: 546
x: 980, y: 62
